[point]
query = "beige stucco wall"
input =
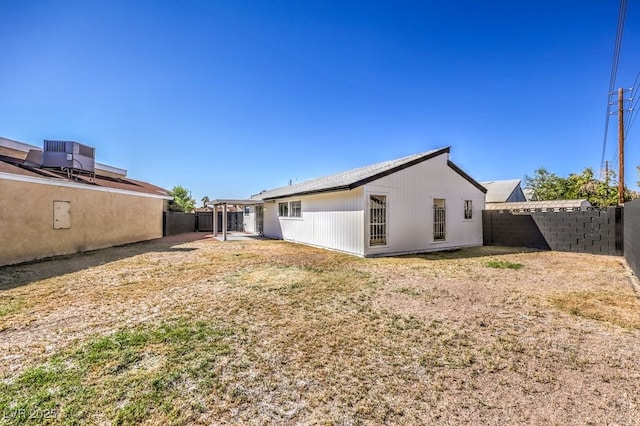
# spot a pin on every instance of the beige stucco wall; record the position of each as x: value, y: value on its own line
x: 98, y: 219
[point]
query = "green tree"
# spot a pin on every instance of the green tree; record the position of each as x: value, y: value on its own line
x: 182, y: 200
x: 549, y: 186
x: 545, y: 185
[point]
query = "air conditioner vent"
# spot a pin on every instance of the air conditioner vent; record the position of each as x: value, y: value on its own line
x: 68, y: 155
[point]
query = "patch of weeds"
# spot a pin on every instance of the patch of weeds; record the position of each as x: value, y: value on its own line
x: 503, y: 264
x: 131, y: 376
x: 408, y: 291
x: 9, y: 305
x: 304, y: 284
x: 579, y: 362
x: 508, y: 344
x: 622, y: 309
x: 405, y: 323
x: 444, y: 254
x: 451, y: 350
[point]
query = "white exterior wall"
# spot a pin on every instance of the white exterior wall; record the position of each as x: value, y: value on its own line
x: 272, y: 228
x: 410, y: 193
x: 333, y: 220
x: 340, y: 220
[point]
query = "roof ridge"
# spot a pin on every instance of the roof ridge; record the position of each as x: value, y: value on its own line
x: 350, y: 179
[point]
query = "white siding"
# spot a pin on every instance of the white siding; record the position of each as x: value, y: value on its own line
x: 333, y: 220
x: 249, y: 220
x: 340, y: 220
x: 272, y: 227
x: 410, y: 193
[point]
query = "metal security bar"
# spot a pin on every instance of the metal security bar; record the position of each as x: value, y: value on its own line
x: 377, y: 220
x: 439, y: 219
x: 468, y: 209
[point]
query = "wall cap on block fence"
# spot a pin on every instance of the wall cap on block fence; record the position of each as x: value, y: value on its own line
x: 540, y: 206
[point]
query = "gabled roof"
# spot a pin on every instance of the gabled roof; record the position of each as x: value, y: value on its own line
x: 354, y: 178
x: 499, y: 191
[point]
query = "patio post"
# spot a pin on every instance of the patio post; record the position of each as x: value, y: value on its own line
x: 215, y: 220
x: 224, y: 222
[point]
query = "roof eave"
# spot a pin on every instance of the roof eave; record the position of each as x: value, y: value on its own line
x: 315, y: 191
x: 466, y: 176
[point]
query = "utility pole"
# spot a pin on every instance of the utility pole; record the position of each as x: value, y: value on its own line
x: 606, y: 179
x: 621, y: 146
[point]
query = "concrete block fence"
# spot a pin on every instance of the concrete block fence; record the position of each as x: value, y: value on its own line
x: 590, y: 231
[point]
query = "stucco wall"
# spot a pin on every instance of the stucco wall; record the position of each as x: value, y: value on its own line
x: 98, y: 219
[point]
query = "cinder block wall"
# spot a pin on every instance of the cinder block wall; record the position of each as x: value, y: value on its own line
x: 175, y: 223
x: 591, y: 231
x: 632, y: 235
x: 511, y: 230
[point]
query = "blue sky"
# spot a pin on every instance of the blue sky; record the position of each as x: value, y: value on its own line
x: 231, y: 97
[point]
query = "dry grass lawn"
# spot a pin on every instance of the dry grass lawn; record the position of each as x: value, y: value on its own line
x: 261, y: 332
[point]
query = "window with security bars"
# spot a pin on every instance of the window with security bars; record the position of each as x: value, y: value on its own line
x: 468, y: 209
x: 283, y: 209
x: 296, y: 208
x: 439, y: 219
x: 377, y: 220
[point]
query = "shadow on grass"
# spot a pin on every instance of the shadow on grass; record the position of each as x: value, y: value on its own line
x: 469, y: 252
x: 13, y: 276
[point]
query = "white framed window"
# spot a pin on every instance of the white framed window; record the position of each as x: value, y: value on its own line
x: 283, y: 209
x: 295, y: 208
x: 247, y: 210
x: 377, y: 220
x: 468, y: 209
x: 439, y: 219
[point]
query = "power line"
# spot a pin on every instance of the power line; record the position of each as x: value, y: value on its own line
x: 633, y: 101
x: 622, y: 14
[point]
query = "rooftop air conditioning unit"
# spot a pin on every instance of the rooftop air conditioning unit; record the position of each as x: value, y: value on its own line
x: 68, y: 155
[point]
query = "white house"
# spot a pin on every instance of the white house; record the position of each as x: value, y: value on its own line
x: 414, y: 204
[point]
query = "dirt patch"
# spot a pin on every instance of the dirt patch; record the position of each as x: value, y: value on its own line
x: 321, y: 337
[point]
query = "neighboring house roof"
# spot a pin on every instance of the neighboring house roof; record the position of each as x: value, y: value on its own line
x: 21, y: 169
x: 354, y: 178
x: 554, y: 205
x: 528, y: 193
x: 502, y: 191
